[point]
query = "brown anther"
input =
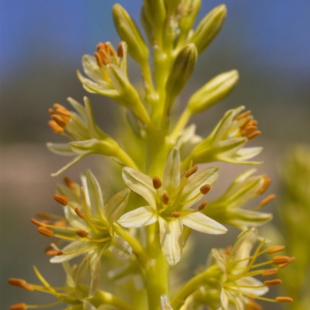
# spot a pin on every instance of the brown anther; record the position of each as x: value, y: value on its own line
x: 284, y: 299
x: 281, y: 266
x: 202, y: 205
x: 43, y: 216
x: 55, y: 127
x: 265, y: 185
x: 48, y: 248
x: 243, y: 115
x: 204, y: 189
x: 69, y: 183
x: 275, y: 249
x: 51, y: 111
x: 175, y: 214
x: 21, y: 283
x: 253, y: 134
x: 104, y: 56
x: 269, y: 272
x: 273, y: 282
x: 120, y: 50
x: 165, y: 198
x: 37, y: 223
x: 61, y: 199
x: 267, y: 199
x: 59, y: 120
x: 280, y: 260
x: 157, y: 183
x: 60, y: 223
x: 82, y: 233
x: 54, y: 253
x: 228, y: 250
x: 21, y: 306
x: 191, y: 171
x: 79, y: 213
x: 252, y: 305
x: 45, y: 231
x: 98, y: 59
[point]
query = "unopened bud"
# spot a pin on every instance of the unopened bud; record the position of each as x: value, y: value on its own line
x: 208, y: 28
x: 181, y: 70
x: 189, y: 10
x: 212, y: 92
x: 129, y: 32
x: 155, y: 12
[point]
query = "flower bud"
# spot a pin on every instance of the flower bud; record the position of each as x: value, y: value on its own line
x: 181, y: 70
x: 189, y: 11
x: 155, y: 12
x: 129, y: 32
x: 213, y: 91
x: 208, y: 28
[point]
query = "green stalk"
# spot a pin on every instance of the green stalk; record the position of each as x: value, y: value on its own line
x: 105, y: 298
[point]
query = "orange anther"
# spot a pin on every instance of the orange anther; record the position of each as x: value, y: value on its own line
x: 202, y: 205
x: 59, y: 120
x: 63, y: 200
x: 157, y: 183
x: 120, y: 50
x: 280, y: 260
x: 82, y: 233
x: 98, y: 59
x: 267, y: 199
x: 204, y: 189
x: 191, y: 171
x: 45, y: 231
x: 55, y: 127
x: 18, y: 307
x: 269, y: 272
x: 243, y: 115
x: 54, y: 252
x: 284, y: 299
x: 275, y: 249
x: 37, y: 223
x: 165, y: 198
x: 273, y: 282
x: 254, y: 134
x: 69, y: 183
x: 175, y: 214
x: 79, y: 213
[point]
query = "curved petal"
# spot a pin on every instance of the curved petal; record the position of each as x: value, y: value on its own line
x: 203, y: 223
x: 171, y: 239
x: 140, y: 184
x: 142, y: 216
x: 171, y: 177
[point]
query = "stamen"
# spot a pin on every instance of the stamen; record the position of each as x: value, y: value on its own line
x: 191, y: 171
x: 63, y: 200
x: 228, y: 250
x: 252, y: 305
x: 243, y: 115
x: 285, y: 264
x: 284, y: 299
x: 266, y: 183
x: 82, y: 233
x: 280, y: 260
x: 267, y: 199
x: 51, y: 111
x: 79, y: 213
x: 157, y: 183
x: 204, y: 189
x: 98, y: 59
x: 37, y: 223
x: 175, y: 214
x: 45, y: 232
x: 269, y: 272
x: 18, y: 307
x: 21, y: 284
x: 104, y: 56
x: 273, y: 282
x: 54, y: 253
x: 275, y: 249
x: 61, y: 223
x: 202, y: 205
x: 69, y: 183
x: 55, y: 127
x: 59, y: 120
x: 165, y: 198
x: 120, y: 50
x: 254, y: 134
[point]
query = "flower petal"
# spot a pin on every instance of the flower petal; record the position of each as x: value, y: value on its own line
x: 171, y: 239
x: 203, y: 223
x: 142, y: 216
x: 171, y: 177
x: 140, y: 184
x: 252, y: 286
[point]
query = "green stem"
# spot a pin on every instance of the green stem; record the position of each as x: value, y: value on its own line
x: 135, y: 245
x: 182, y: 122
x: 105, y: 298
x: 192, y: 285
x: 125, y: 158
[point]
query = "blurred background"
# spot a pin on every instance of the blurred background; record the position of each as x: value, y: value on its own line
x: 41, y: 45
